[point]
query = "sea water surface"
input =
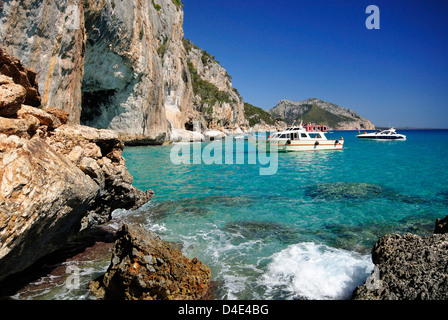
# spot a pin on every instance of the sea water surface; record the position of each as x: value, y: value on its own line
x: 304, y: 232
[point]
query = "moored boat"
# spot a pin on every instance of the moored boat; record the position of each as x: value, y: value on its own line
x: 310, y: 137
x: 389, y: 134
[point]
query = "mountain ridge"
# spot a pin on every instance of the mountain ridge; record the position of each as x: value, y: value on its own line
x: 317, y: 110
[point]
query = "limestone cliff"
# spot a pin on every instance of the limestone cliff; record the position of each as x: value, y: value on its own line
x: 56, y: 178
x: 48, y: 37
x: 115, y: 64
x: 319, y: 111
x: 218, y: 102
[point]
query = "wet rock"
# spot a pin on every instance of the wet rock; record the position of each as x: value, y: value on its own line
x: 408, y: 267
x: 192, y: 211
x: 144, y: 267
x: 441, y: 226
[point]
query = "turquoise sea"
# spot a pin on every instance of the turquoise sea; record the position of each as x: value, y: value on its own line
x: 304, y: 232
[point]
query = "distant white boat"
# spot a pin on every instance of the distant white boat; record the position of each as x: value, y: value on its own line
x: 389, y: 134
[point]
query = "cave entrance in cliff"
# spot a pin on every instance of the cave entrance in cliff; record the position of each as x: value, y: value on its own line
x: 95, y: 108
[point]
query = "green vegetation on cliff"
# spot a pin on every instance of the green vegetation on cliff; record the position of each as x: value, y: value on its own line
x: 178, y: 3
x: 255, y: 114
x: 208, y: 92
x: 318, y: 115
x: 156, y: 6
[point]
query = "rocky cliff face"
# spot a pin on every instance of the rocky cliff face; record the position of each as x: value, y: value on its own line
x: 48, y: 37
x: 56, y: 178
x: 117, y: 65
x: 316, y: 110
x: 220, y: 105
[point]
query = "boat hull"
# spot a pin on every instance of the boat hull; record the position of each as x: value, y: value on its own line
x: 297, y: 146
x: 381, y: 138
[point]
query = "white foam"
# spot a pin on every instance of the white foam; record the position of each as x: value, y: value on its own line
x: 316, y: 272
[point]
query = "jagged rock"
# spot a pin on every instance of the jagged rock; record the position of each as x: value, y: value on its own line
x: 218, y: 115
x: 43, y: 198
x: 21, y: 75
x: 67, y: 182
x: 45, y: 118
x: 65, y: 179
x: 23, y: 128
x: 98, y: 153
x: 11, y: 97
x: 408, y: 267
x: 60, y: 114
x: 49, y: 38
x: 144, y: 267
x: 441, y: 226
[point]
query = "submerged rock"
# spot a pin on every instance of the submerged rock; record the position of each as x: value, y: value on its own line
x: 144, y: 267
x: 253, y: 229
x: 198, y: 206
x: 408, y: 267
x: 359, y: 191
x: 345, y: 190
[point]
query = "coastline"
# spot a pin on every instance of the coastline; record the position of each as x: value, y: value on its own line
x: 83, y: 173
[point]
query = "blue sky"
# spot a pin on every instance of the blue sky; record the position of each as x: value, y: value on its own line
x: 275, y: 49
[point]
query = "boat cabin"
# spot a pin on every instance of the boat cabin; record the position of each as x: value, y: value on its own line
x: 310, y: 132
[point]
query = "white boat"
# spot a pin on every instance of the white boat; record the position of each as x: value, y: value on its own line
x: 300, y: 138
x: 389, y: 134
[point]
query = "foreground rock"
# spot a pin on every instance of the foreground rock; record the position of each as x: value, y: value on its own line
x: 408, y: 267
x: 56, y: 179
x: 54, y: 186
x: 43, y: 198
x: 144, y: 267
